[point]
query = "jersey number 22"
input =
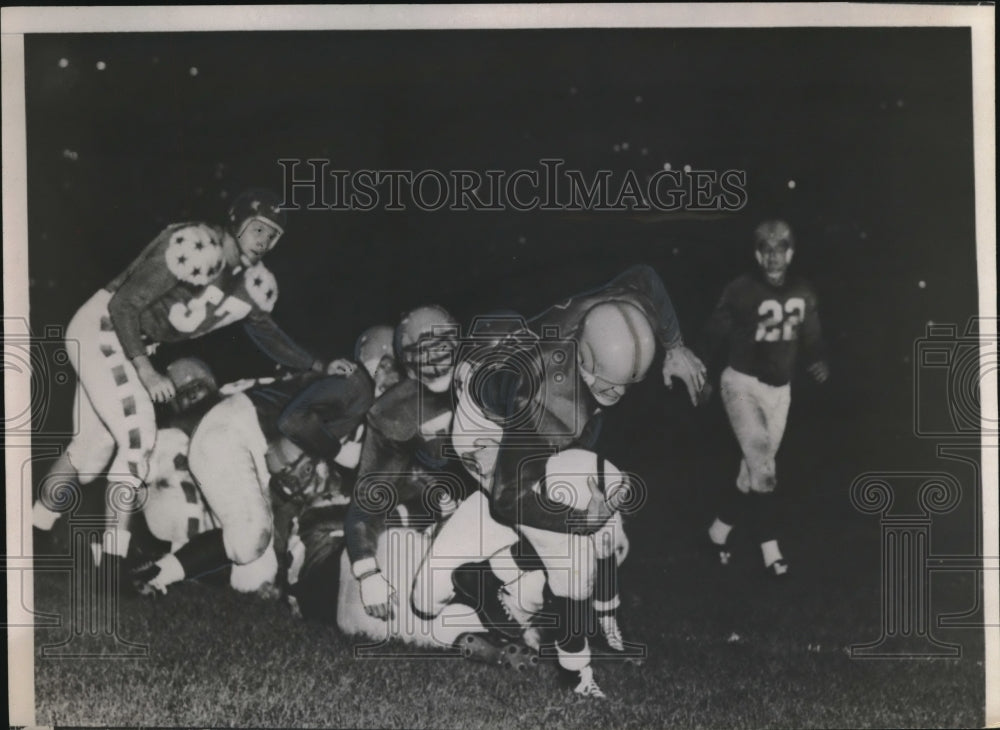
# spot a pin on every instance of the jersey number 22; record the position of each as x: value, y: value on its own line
x: 777, y: 323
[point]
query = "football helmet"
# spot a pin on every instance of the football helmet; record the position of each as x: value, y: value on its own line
x: 616, y: 348
x: 425, y: 343
x: 774, y: 230
x: 373, y: 344
x: 263, y: 207
x: 774, y: 246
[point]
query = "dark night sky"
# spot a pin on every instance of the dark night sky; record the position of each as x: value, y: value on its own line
x: 873, y: 125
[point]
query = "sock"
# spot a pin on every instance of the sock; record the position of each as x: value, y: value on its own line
x: 733, y: 505
x: 719, y: 531
x: 574, y: 658
x: 770, y: 551
x: 42, y: 517
x: 116, y: 542
x: 764, y: 522
x: 204, y: 553
x: 171, y: 571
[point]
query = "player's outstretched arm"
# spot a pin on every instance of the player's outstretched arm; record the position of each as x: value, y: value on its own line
x: 326, y: 411
x: 277, y: 344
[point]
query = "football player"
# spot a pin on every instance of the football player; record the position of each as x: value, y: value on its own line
x: 761, y: 321
x: 191, y: 279
x: 405, y: 461
x: 268, y: 434
x: 317, y: 535
x: 547, y: 396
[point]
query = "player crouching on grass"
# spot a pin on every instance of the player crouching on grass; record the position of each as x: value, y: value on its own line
x: 761, y: 319
x: 272, y: 433
x: 407, y: 483
x: 191, y: 279
x: 543, y: 391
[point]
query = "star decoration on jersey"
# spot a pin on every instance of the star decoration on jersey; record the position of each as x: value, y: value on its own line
x: 261, y: 286
x: 193, y: 256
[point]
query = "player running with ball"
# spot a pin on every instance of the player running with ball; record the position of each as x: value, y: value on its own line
x: 762, y: 319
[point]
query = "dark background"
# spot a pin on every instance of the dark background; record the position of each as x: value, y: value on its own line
x: 873, y: 125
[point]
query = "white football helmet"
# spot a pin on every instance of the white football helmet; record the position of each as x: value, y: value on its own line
x: 616, y: 349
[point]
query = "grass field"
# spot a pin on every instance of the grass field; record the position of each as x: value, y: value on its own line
x: 725, y: 649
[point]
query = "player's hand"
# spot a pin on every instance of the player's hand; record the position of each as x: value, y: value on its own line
x: 341, y: 367
x: 820, y: 371
x: 378, y: 597
x: 160, y: 387
x: 681, y: 363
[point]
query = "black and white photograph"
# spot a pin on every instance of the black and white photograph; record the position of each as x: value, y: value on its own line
x: 504, y: 366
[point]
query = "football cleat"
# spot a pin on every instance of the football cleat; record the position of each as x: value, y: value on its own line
x: 491, y: 649
x: 512, y: 608
x: 519, y: 657
x: 587, y: 686
x: 778, y: 569
x: 612, y: 631
x: 720, y: 553
x: 144, y: 579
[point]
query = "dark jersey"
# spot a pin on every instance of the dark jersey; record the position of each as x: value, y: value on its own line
x: 552, y: 409
x: 406, y: 441
x: 180, y: 287
x: 763, y: 326
x: 314, y: 411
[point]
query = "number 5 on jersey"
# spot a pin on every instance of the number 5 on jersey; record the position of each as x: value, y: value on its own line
x: 777, y: 323
x: 189, y: 317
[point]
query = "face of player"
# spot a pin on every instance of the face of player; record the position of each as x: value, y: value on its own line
x: 774, y: 257
x: 256, y: 238
x: 434, y: 365
x: 604, y: 391
x: 385, y: 375
x: 190, y: 396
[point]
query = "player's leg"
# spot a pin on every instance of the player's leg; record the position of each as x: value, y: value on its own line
x: 608, y: 546
x: 85, y: 458
x: 775, y: 403
x: 227, y: 459
x: 570, y: 564
x: 740, y: 400
x: 470, y: 535
x: 119, y: 399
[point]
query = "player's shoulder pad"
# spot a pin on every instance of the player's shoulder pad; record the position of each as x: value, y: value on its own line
x: 396, y: 413
x: 262, y: 286
x: 193, y: 253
